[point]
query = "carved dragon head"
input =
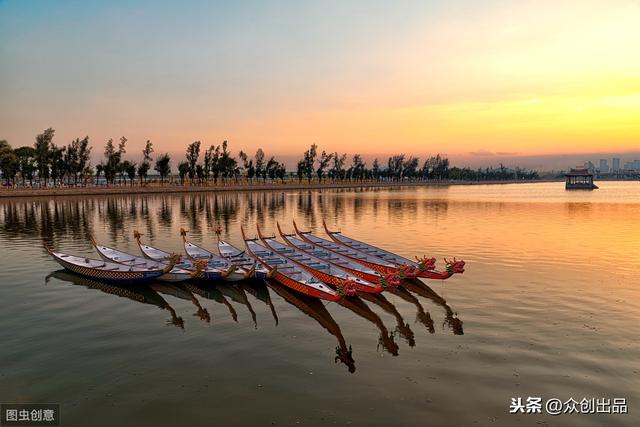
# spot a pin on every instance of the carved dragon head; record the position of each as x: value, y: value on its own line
x: 347, y: 288
x: 390, y: 281
x: 425, y: 263
x: 455, y: 266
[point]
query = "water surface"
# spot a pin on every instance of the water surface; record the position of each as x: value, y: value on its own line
x: 549, y: 306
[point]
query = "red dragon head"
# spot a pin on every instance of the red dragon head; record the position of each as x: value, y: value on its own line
x: 347, y: 288
x: 426, y: 264
x: 200, y: 265
x: 455, y: 266
x: 390, y: 281
x: 408, y: 272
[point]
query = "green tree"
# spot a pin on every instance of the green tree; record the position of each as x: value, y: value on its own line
x: 260, y: 165
x: 395, y: 165
x: 214, y: 161
x: 323, y: 162
x: 337, y: 170
x: 193, y: 152
x: 113, y: 164
x: 26, y: 163
x: 129, y: 169
x: 183, y: 170
x: 410, y: 167
x: 86, y: 174
x: 58, y: 163
x: 358, y: 167
x: 145, y: 165
x: 84, y: 156
x: 120, y: 167
x: 8, y: 162
x: 42, y: 147
x: 228, y: 165
x: 281, y: 171
x: 99, y: 170
x: 308, y: 160
x: 200, y: 173
x: 272, y: 168
x: 163, y: 166
x: 300, y: 170
x: 375, y: 170
x: 208, y: 161
x: 71, y: 163
x: 248, y: 165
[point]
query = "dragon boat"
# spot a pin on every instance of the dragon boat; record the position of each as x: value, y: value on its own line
x: 196, y: 252
x: 111, y: 271
x: 323, y: 270
x: 345, y: 263
x: 238, y: 257
x: 288, y: 273
x: 201, y: 267
x: 179, y: 272
x: 405, y: 268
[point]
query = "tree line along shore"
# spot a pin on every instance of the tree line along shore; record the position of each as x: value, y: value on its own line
x: 46, y: 166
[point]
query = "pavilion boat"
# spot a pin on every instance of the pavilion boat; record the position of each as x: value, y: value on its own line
x: 111, y: 271
x: 347, y: 264
x: 178, y: 273
x: 323, y: 270
x: 289, y: 273
x: 407, y: 269
x: 199, y: 253
x: 201, y: 268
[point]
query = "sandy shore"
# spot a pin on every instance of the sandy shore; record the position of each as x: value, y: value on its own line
x: 173, y: 188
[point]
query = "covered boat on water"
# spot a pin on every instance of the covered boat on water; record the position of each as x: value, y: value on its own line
x: 180, y: 272
x: 406, y: 269
x: 201, y: 267
x: 104, y: 270
x: 288, y: 273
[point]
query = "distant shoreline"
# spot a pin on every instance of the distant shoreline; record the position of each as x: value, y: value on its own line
x: 187, y: 188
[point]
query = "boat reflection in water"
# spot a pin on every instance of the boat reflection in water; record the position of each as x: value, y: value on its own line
x: 402, y: 328
x: 212, y: 293
x: 451, y: 318
x: 237, y: 292
x: 141, y: 294
x: 356, y: 305
x: 178, y: 291
x: 422, y: 316
x: 237, y: 295
x: 261, y: 293
x: 315, y: 309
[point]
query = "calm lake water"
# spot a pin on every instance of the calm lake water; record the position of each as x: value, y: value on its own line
x: 549, y: 306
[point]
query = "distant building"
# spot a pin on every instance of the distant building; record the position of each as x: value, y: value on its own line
x: 636, y: 165
x: 579, y: 178
x: 615, y: 165
x: 628, y: 166
x: 590, y: 167
x: 604, y: 166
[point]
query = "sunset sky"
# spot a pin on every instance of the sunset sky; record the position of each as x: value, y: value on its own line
x: 477, y: 80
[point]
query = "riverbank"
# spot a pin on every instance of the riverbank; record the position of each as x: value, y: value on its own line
x: 173, y: 188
